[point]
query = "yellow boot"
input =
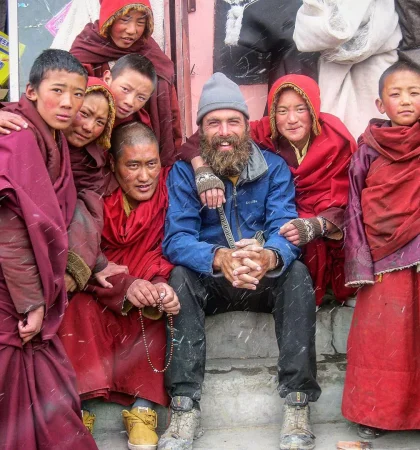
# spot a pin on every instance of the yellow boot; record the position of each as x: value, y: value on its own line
x: 141, y: 424
x: 88, y: 420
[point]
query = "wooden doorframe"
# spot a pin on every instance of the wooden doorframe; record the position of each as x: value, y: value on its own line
x: 177, y: 47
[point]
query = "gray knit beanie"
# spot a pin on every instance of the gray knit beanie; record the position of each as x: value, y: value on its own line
x: 220, y: 93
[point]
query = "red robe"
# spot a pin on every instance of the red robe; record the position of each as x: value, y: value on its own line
x: 383, y: 371
x: 321, y: 179
x: 114, y: 364
x: 40, y: 406
x: 95, y: 52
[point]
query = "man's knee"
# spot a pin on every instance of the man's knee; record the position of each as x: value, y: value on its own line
x: 299, y: 272
x: 179, y: 275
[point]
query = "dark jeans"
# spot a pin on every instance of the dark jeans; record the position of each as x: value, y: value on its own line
x: 289, y: 297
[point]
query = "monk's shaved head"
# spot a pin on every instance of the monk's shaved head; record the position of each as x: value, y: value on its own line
x: 131, y: 135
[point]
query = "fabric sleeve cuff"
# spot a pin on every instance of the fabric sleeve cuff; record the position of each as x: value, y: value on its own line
x: 78, y: 269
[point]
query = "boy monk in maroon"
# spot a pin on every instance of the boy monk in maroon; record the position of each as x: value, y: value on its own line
x: 40, y: 407
x: 125, y: 27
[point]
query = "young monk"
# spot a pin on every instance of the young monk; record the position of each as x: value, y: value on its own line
x: 317, y: 148
x: 40, y: 404
x: 102, y: 332
x: 381, y: 390
x: 125, y: 27
x: 88, y: 138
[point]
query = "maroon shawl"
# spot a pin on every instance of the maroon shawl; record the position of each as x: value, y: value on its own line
x: 35, y: 177
x: 93, y: 51
x: 136, y: 240
x: 391, y: 198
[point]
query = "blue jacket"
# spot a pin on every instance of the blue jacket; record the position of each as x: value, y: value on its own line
x: 262, y: 200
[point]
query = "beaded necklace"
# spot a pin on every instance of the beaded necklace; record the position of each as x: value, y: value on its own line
x: 171, y: 331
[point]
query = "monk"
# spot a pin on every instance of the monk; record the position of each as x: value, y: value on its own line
x: 102, y: 331
x: 125, y: 27
x: 40, y: 405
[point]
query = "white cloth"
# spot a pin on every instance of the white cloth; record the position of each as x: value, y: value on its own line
x: 358, y: 41
x: 82, y: 12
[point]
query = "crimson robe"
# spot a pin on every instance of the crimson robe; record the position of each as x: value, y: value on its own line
x: 95, y: 52
x: 113, y: 365
x: 383, y: 255
x: 40, y: 406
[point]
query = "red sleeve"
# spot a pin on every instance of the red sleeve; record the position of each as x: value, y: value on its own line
x: 112, y: 298
x: 18, y: 262
x: 190, y: 149
x: 176, y: 119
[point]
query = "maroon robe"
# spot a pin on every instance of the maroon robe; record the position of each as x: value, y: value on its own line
x: 114, y: 364
x: 95, y: 51
x: 40, y: 407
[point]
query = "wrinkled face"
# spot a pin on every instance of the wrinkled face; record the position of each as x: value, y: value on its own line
x: 128, y: 29
x: 401, y: 98
x: 58, y: 98
x: 89, y: 122
x: 137, y: 172
x: 225, y: 144
x: 131, y: 91
x: 293, y: 118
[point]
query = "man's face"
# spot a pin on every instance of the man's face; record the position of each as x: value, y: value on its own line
x: 224, y: 141
x: 401, y: 98
x: 137, y: 171
x: 58, y: 98
x: 89, y: 122
x: 293, y: 118
x: 131, y: 91
x: 128, y: 29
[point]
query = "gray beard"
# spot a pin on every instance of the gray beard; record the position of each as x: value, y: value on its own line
x: 229, y: 163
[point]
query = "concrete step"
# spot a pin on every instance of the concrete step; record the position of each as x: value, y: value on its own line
x: 240, y: 387
x: 267, y: 438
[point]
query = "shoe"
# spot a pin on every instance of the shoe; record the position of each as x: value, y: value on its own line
x: 366, y: 432
x: 88, y: 419
x: 140, y: 424
x: 350, y: 302
x: 184, y: 426
x: 296, y: 431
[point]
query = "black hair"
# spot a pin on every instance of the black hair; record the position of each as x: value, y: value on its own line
x: 130, y: 134
x: 399, y: 66
x: 54, y: 59
x: 138, y: 63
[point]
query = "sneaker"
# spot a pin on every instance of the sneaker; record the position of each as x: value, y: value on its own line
x: 140, y: 424
x: 350, y: 302
x: 88, y: 420
x: 184, y: 426
x: 296, y: 431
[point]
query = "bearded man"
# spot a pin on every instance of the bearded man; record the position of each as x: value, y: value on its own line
x: 222, y: 264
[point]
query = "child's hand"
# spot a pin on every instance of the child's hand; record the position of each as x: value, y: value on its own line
x: 11, y: 122
x: 110, y: 270
x: 32, y: 325
x: 70, y: 283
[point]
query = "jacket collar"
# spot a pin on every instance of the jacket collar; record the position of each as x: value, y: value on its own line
x: 256, y: 167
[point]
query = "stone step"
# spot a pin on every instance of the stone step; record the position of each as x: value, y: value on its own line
x: 240, y: 386
x: 267, y: 438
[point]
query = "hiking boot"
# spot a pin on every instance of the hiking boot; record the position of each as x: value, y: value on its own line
x: 140, y: 424
x: 184, y: 426
x: 88, y: 419
x: 296, y: 431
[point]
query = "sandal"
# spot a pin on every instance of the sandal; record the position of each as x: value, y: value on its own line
x: 366, y: 432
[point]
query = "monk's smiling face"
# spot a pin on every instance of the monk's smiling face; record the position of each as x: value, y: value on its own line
x: 58, y: 97
x: 137, y: 171
x: 89, y: 122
